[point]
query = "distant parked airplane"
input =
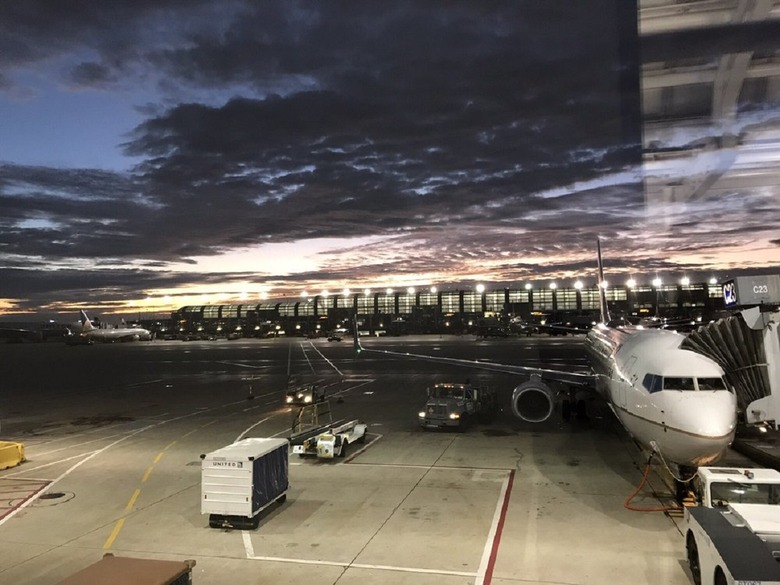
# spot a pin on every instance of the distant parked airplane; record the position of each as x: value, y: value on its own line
x: 92, y: 333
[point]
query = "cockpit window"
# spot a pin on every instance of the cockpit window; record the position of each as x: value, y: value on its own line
x: 679, y: 384
x: 653, y: 382
x: 711, y: 383
x: 656, y: 383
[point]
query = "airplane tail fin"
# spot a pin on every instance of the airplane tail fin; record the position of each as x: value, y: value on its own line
x: 86, y: 324
x: 602, y: 288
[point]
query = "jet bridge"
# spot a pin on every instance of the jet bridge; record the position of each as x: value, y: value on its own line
x: 747, y: 346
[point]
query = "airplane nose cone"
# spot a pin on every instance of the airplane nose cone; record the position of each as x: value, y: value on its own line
x: 699, y: 426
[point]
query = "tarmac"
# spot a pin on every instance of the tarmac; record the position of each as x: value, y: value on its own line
x: 113, y: 436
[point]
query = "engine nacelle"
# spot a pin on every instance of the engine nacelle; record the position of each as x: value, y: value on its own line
x: 533, y: 401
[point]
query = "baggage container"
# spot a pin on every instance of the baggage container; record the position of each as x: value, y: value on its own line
x: 241, y: 480
x: 111, y: 570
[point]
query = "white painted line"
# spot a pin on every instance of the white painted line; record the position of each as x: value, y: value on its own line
x: 99, y: 451
x: 330, y: 363
x: 350, y: 565
x: 67, y: 472
x: 144, y: 383
x: 488, y: 549
x: 359, y: 451
x: 434, y: 468
x: 250, y: 550
x: 44, y: 465
x: 243, y: 365
x: 308, y: 361
x: 414, y: 570
x: 245, y: 431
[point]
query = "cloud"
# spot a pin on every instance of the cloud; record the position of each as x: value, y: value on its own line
x: 459, y: 139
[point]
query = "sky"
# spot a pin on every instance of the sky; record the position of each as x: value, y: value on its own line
x: 157, y: 154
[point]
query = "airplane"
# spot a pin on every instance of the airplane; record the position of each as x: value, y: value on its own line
x: 674, y: 402
x: 91, y: 333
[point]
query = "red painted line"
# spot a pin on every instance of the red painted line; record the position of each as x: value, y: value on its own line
x: 499, y: 530
x: 13, y: 508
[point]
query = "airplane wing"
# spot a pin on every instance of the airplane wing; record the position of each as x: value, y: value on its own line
x: 12, y: 335
x: 578, y: 378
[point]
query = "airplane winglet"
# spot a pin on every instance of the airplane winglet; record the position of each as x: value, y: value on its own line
x: 356, y: 335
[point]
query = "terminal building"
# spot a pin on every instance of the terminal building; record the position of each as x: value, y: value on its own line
x: 450, y: 311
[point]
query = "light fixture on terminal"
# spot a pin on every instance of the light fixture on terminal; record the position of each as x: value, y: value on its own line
x: 433, y: 290
x: 305, y: 294
x: 324, y: 293
x: 367, y: 291
x: 631, y: 283
x: 553, y: 285
x: 604, y: 284
x: 713, y: 280
x: 657, y: 282
x: 410, y: 290
x: 389, y: 291
x: 578, y: 285
x: 685, y: 281
x: 480, y: 288
x: 346, y: 292
x: 528, y: 286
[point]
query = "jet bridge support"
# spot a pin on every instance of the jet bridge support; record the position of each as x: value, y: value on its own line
x: 747, y: 346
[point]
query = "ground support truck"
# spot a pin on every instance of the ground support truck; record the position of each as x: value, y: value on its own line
x: 241, y: 480
x: 304, y: 394
x: 330, y: 441
x: 732, y: 537
x: 457, y: 406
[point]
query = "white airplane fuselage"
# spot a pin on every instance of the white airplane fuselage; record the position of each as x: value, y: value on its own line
x: 126, y: 334
x: 671, y: 400
x: 89, y: 331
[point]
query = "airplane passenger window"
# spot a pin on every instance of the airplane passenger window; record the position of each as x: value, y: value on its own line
x: 711, y: 383
x: 678, y: 384
x: 652, y: 382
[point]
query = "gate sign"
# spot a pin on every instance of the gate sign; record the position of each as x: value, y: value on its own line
x: 752, y: 290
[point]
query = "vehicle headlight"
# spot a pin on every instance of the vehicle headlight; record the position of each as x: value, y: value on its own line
x: 307, y: 399
x: 421, y: 414
x: 289, y: 399
x: 454, y: 416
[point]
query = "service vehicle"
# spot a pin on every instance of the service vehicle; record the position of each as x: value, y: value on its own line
x: 329, y: 441
x: 456, y: 406
x: 337, y: 334
x: 304, y: 394
x: 241, y: 480
x: 733, y: 536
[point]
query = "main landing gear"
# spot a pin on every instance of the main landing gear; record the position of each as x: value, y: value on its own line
x: 573, y: 404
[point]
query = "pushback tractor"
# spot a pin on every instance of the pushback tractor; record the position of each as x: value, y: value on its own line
x: 733, y: 536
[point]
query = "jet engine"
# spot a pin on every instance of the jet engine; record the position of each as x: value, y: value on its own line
x: 533, y: 401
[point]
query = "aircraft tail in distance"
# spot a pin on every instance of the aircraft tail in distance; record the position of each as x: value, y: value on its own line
x: 602, y: 288
x: 86, y: 324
